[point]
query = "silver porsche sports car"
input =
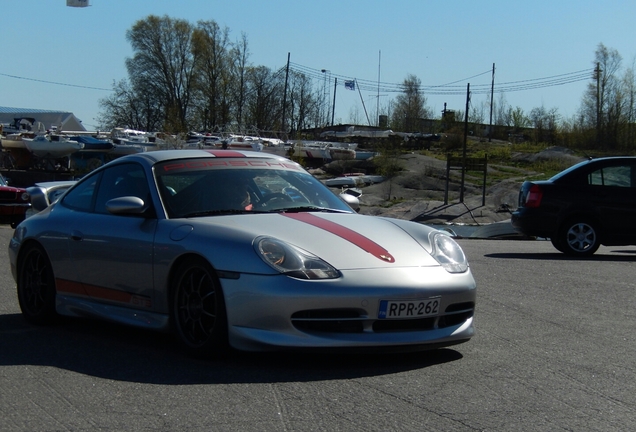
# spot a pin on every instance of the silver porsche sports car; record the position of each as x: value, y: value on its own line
x: 239, y: 249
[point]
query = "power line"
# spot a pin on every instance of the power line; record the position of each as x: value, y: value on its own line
x: 274, y: 75
x: 448, y: 89
x: 451, y: 89
x: 56, y: 83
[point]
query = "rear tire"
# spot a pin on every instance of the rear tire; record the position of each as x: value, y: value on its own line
x: 579, y: 237
x: 198, y: 309
x: 36, y: 286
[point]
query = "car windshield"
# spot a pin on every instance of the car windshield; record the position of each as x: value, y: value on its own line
x: 2, y: 181
x: 203, y: 187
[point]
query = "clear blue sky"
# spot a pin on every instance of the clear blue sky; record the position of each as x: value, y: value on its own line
x: 46, y: 43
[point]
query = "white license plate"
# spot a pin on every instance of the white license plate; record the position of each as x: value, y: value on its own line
x: 390, y: 309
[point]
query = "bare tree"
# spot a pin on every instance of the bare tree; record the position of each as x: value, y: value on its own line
x: 212, y: 47
x: 477, y: 114
x: 240, y: 56
x: 502, y: 111
x: 602, y: 104
x: 305, y: 102
x: 164, y: 63
x: 263, y: 101
x: 131, y: 108
x: 544, y: 123
x: 629, y: 84
x: 410, y: 106
x: 354, y: 115
x: 519, y: 118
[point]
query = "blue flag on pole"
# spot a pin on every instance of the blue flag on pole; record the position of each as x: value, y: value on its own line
x: 350, y: 85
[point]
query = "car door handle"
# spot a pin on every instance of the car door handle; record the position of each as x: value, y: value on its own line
x: 76, y: 235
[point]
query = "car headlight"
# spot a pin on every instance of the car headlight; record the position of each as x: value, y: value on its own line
x: 293, y: 261
x: 448, y: 253
x: 25, y: 196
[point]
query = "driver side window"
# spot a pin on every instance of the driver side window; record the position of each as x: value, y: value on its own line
x: 121, y: 180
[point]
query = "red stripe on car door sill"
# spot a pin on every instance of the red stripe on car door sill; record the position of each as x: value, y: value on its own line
x: 357, y: 239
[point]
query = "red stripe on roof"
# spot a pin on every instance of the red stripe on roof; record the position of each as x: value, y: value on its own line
x: 225, y: 153
x: 357, y: 239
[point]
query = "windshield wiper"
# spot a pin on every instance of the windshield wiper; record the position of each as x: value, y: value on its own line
x: 220, y: 213
x: 225, y: 212
x: 312, y: 209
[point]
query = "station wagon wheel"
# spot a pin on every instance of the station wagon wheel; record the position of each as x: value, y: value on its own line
x: 36, y: 286
x: 198, y: 308
x: 579, y: 237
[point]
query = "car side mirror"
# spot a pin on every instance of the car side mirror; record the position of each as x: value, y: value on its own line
x: 126, y: 205
x: 351, y: 200
x: 38, y: 198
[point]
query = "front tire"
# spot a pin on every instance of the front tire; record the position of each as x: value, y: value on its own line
x: 36, y: 286
x: 198, y: 308
x: 579, y: 237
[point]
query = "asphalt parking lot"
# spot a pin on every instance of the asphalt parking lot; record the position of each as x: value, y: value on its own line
x: 554, y: 350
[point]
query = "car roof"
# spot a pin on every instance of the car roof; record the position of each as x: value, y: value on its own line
x: 613, y: 158
x: 590, y: 164
x: 157, y: 156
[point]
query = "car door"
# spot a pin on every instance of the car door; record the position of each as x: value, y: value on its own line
x: 613, y: 195
x: 114, y: 253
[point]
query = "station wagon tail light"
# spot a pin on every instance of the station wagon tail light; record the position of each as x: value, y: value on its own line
x: 533, y: 199
x: 293, y: 261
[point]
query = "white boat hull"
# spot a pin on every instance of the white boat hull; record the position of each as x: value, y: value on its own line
x: 13, y: 143
x: 43, y: 148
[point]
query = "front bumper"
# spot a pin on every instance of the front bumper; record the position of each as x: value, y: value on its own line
x: 271, y: 312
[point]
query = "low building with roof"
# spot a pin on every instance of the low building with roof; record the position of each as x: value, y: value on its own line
x: 60, y: 120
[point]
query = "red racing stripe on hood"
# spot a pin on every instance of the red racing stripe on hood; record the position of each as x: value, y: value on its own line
x: 357, y: 239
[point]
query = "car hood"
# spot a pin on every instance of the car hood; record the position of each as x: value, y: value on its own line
x: 346, y: 241
x: 11, y: 189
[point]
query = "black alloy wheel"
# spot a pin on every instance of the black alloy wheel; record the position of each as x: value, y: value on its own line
x: 198, y: 308
x: 36, y: 286
x: 579, y: 237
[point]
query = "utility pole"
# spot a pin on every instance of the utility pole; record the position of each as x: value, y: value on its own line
x: 492, y: 92
x: 333, y: 112
x: 461, y: 187
x: 285, y: 95
x: 377, y: 103
x: 324, y: 105
x: 597, y: 73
